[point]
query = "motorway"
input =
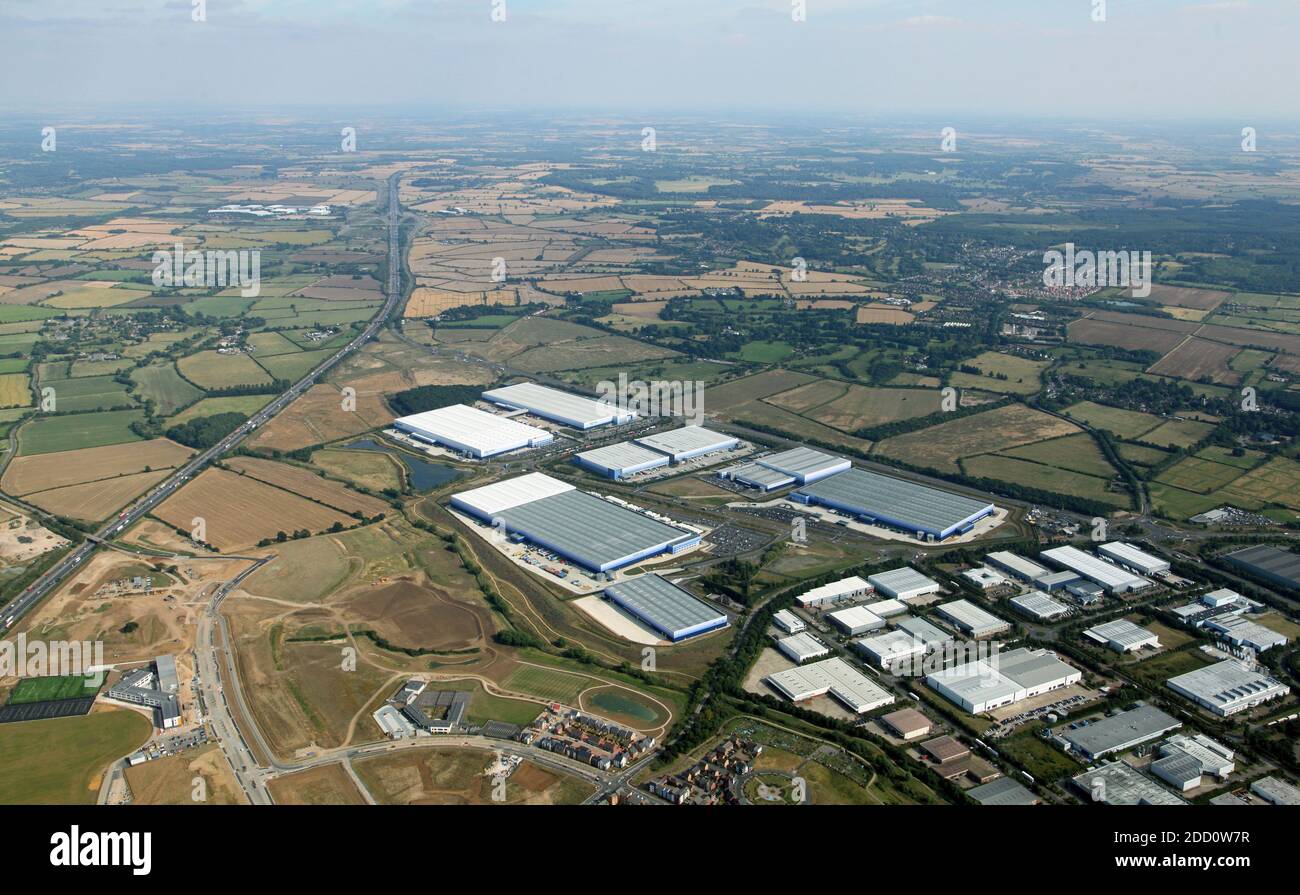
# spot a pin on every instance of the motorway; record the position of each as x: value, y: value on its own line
x: 23, y: 603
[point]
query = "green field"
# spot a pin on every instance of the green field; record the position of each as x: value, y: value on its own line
x: 1124, y: 423
x: 80, y: 430
x: 549, y: 684
x: 165, y: 387
x: 1049, y: 478
x: 39, y: 689
x: 1177, y: 433
x: 90, y: 393
x: 1201, y: 476
x: 1075, y: 452
x: 294, y: 366
x: 1022, y: 374
x: 59, y: 761
x: 245, y: 404
x: 210, y: 370
x: 760, y: 352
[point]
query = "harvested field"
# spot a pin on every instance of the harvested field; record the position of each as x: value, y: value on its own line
x: 884, y: 314
x: 861, y: 406
x: 1196, y: 359
x: 1185, y: 297
x: 318, y: 417
x: 95, y: 501
x: 1122, y: 335
x: 457, y: 777
x: 310, y: 485
x: 240, y: 511
x: 62, y: 468
x: 210, y: 370
x: 1277, y: 481
x: 412, y: 615
x: 938, y: 447
x: 15, y: 390
x: 1124, y: 423
x: 325, y: 785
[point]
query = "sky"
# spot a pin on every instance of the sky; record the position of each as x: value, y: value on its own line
x: 1149, y: 59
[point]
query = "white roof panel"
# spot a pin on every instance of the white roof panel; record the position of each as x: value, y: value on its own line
x: 470, y: 427
x: 554, y: 404
x: 500, y: 496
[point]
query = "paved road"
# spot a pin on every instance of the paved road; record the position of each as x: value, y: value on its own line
x: 23, y: 603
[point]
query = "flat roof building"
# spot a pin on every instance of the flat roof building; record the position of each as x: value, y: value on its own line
x: 887, y: 608
x: 471, y: 431
x: 558, y: 406
x: 752, y: 475
x: 1179, y: 770
x: 802, y: 646
x: 1119, y: 732
x: 1280, y: 567
x: 672, y: 611
x: 892, y: 650
x: 1117, y: 783
x: 1003, y: 791
x: 972, y: 620
x: 985, y: 685
x: 904, y: 584
x: 598, y: 534
x: 1215, y: 759
x: 787, y: 621
x: 1038, y: 605
x: 945, y: 748
x: 1123, y: 636
x: 804, y: 465
x: 1279, y: 792
x: 1024, y: 569
x: 688, y: 442
x: 856, y: 620
x: 833, y: 676
x: 620, y: 460
x: 984, y: 578
x: 1054, y: 581
x: 1114, y: 579
x: 845, y: 589
x: 909, y: 506
x: 907, y: 723
x: 930, y: 635
x: 1132, y: 558
x: 1227, y: 687
x: 1245, y: 633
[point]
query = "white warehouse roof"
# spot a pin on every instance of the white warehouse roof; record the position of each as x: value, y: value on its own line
x: 1227, y: 687
x: 1133, y: 558
x: 1039, y: 605
x: 805, y: 464
x: 802, y: 646
x: 1016, y: 565
x: 471, y: 430
x: 903, y: 583
x: 1108, y: 575
x: 856, y: 619
x: 836, y: 590
x: 623, y: 458
x: 833, y: 676
x: 688, y: 441
x: 562, y: 407
x: 972, y: 619
x: 1122, y: 635
x: 500, y: 496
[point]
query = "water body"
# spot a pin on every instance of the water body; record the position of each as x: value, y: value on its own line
x: 424, y: 475
x: 618, y: 703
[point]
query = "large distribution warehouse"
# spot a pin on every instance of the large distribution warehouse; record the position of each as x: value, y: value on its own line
x: 670, y: 610
x: 799, y: 465
x: 909, y: 506
x: 597, y: 534
x: 653, y: 451
x: 471, y: 431
x: 972, y: 620
x: 1108, y: 575
x: 1227, y: 687
x: 561, y: 407
x: 1280, y: 567
x: 620, y: 460
x: 904, y: 584
x: 1133, y: 559
x: 1019, y: 674
x: 688, y: 442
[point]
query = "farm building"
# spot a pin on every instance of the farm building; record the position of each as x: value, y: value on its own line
x: 1133, y: 559
x: 788, y: 622
x: 1280, y: 567
x: 1024, y: 569
x: 1019, y: 674
x: 560, y: 407
x: 802, y: 646
x: 845, y: 589
x: 1122, y: 636
x: 1227, y: 687
x: 908, y: 506
x: 1114, y: 579
x: 1119, y: 732
x: 1038, y: 605
x: 904, y: 584
x: 620, y: 460
x: 856, y: 620
x: 891, y: 650
x: 665, y: 607
x: 688, y: 442
x: 833, y: 676
x: 471, y: 431
x: 595, y: 533
x: 972, y: 620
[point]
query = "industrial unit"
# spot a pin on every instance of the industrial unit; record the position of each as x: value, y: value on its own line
x: 930, y: 635
x: 1019, y: 674
x: 672, y: 611
x: 557, y: 406
x: 907, y: 723
x: 1114, y: 579
x: 1117, y: 783
x: 984, y: 578
x: 598, y: 534
x: 1119, y: 732
x: 155, y: 686
x: 1003, y: 791
x: 1133, y: 559
x: 688, y: 442
x: 804, y: 465
x: 855, y: 620
x: 1024, y: 569
x: 788, y: 622
x: 845, y: 589
x: 1280, y: 567
x: 833, y: 676
x: 752, y: 475
x: 1123, y: 636
x: 1245, y: 633
x: 621, y: 460
x: 972, y: 620
x: 887, y: 608
x: 904, y: 584
x: 892, y: 650
x: 471, y: 431
x: 1038, y: 605
x: 802, y: 646
x: 1227, y: 687
x: 1214, y: 758
x: 908, y: 506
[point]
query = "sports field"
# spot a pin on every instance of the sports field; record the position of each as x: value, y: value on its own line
x: 39, y: 689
